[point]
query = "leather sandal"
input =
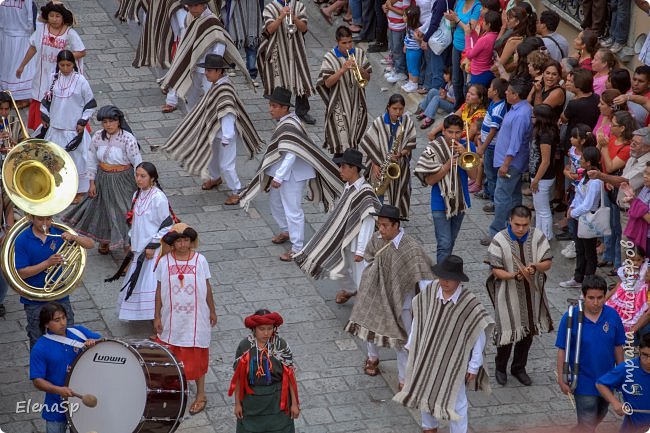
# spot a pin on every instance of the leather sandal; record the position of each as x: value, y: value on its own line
x: 371, y: 368
x: 211, y: 184
x: 232, y: 200
x: 198, y: 406
x: 343, y: 296
x: 280, y: 238
x: 328, y: 17
x: 168, y: 108
x: 426, y: 123
x: 287, y: 257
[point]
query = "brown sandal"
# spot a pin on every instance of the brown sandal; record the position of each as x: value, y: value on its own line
x: 371, y: 368
x: 343, y: 296
x: 280, y: 238
x: 168, y: 108
x: 198, y: 406
x: 211, y: 184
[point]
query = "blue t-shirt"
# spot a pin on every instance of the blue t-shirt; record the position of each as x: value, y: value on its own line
x: 634, y: 384
x: 597, y: 348
x: 437, y: 202
x: 50, y: 360
x: 473, y: 14
x: 514, y: 137
x: 30, y: 251
x: 493, y: 119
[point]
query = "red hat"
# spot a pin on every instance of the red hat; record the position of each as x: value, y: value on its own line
x: 255, y: 320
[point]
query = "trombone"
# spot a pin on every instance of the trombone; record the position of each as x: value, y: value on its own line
x: 288, y: 19
x: 468, y: 160
x: 356, y: 72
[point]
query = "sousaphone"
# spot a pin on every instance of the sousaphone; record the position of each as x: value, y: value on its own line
x: 41, y: 179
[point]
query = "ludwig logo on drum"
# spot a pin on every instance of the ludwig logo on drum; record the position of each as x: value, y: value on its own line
x: 109, y: 359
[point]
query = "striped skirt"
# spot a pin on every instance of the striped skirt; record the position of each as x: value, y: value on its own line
x: 103, y: 217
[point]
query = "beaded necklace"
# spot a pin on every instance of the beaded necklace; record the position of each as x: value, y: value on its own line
x: 185, y: 269
x: 144, y: 202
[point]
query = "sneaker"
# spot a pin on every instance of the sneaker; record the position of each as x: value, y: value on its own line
x: 387, y: 60
x: 409, y: 87
x: 571, y: 284
x: 616, y: 47
x: 569, y: 251
x: 488, y: 208
x: 388, y: 73
x: 394, y: 78
x: 606, y: 42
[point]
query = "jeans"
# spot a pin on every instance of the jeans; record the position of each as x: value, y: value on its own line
x: 586, y: 258
x: 590, y: 409
x: 490, y: 172
x: 433, y: 101
x: 543, y: 213
x: 620, y: 20
x: 355, y: 6
x: 519, y: 358
x: 457, y: 78
x: 413, y: 58
x: 446, y: 231
x: 396, y: 43
x: 434, y: 67
x: 251, y: 61
x: 56, y: 426
x: 484, y: 78
x: 613, y: 242
x: 507, y: 194
x: 4, y: 287
x: 33, y: 311
x: 367, y: 20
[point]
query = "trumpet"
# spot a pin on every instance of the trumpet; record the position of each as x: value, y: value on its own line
x: 356, y: 72
x: 288, y: 19
x: 468, y: 160
x: 453, y: 182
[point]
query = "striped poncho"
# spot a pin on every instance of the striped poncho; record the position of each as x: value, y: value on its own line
x: 127, y: 10
x: 346, y: 118
x: 376, y: 144
x: 291, y: 136
x: 441, y: 342
x: 191, y: 143
x: 282, y: 59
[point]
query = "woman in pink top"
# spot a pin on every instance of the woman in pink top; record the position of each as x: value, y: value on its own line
x: 479, y: 49
x: 607, y: 109
x: 602, y: 64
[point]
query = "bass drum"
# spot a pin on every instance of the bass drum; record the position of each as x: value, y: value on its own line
x: 139, y: 385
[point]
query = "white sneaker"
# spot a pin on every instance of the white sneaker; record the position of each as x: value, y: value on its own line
x: 394, y: 78
x: 388, y: 73
x: 571, y: 284
x: 409, y: 87
x: 570, y: 250
x: 616, y: 47
x: 606, y: 42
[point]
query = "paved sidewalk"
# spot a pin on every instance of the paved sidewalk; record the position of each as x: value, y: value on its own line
x: 335, y: 394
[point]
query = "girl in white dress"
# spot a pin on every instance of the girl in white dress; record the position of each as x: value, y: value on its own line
x: 53, y: 33
x: 16, y: 26
x: 150, y: 218
x: 65, y: 110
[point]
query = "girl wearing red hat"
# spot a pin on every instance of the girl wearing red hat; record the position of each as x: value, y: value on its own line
x: 264, y: 368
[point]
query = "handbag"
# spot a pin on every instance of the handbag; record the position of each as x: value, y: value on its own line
x: 595, y: 224
x: 441, y: 38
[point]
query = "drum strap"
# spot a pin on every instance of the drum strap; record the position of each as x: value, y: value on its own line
x: 69, y: 341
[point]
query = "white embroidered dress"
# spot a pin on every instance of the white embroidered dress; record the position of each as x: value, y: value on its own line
x: 149, y: 212
x: 15, y: 29
x: 185, y: 314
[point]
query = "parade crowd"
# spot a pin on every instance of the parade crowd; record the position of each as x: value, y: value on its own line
x: 512, y: 109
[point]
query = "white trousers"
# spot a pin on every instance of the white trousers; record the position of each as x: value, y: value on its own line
x: 355, y: 269
x: 543, y: 213
x: 200, y: 86
x: 402, y: 354
x: 171, y: 98
x: 224, y: 164
x: 430, y: 422
x: 286, y: 208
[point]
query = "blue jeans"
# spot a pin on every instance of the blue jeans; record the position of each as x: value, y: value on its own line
x: 396, y: 44
x: 4, y: 287
x: 613, y: 242
x: 413, y: 57
x: 434, y: 67
x: 507, y: 194
x: 355, y: 6
x: 33, y: 311
x: 251, y: 61
x: 433, y: 101
x: 56, y: 426
x: 490, y: 172
x: 457, y: 78
x: 620, y: 20
x: 446, y: 231
x: 590, y: 409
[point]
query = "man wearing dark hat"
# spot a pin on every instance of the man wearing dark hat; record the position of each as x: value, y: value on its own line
x: 292, y: 162
x: 341, y: 242
x: 203, y: 34
x: 281, y: 57
x: 215, y: 127
x: 382, y: 315
x: 519, y: 256
x: 445, y: 349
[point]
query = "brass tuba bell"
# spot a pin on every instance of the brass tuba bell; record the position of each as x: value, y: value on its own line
x: 468, y: 160
x: 41, y: 179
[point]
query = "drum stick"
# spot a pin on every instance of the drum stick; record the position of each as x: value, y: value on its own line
x: 87, y: 399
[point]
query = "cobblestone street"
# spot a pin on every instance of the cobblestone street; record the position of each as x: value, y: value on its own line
x: 335, y: 394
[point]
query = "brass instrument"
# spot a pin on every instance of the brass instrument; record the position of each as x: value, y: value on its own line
x: 390, y: 170
x: 41, y: 179
x: 468, y: 160
x: 453, y: 182
x: 356, y: 72
x: 291, y: 27
x: 569, y: 372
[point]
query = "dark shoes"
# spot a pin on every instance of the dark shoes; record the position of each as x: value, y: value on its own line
x: 564, y: 236
x: 522, y: 377
x: 501, y: 377
x: 378, y: 48
x: 3, y: 310
x: 307, y: 119
x: 486, y: 241
x: 357, y: 39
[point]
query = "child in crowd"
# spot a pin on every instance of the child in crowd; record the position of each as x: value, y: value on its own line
x: 436, y: 99
x: 480, y: 49
x: 412, y: 49
x: 394, y: 10
x: 629, y: 297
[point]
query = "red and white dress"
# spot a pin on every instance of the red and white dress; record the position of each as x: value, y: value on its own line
x: 185, y: 313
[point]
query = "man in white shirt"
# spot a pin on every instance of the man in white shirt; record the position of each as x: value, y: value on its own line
x: 556, y: 44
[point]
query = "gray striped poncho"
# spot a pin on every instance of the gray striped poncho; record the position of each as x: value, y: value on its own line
x: 520, y: 309
x: 127, y: 10
x: 291, y: 136
x: 439, y: 352
x: 324, y: 254
x: 244, y: 22
x: 376, y: 144
x: 191, y: 143
x: 200, y: 36
x: 389, y: 277
x: 346, y: 118
x: 282, y: 60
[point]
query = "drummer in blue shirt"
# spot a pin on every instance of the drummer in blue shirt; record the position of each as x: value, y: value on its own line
x: 35, y: 251
x: 50, y: 360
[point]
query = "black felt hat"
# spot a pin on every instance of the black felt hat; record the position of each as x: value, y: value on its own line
x: 350, y: 157
x: 450, y: 269
x: 194, y: 2
x: 215, y: 61
x: 280, y: 96
x: 389, y: 211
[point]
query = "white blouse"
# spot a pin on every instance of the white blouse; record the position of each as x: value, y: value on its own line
x: 70, y: 95
x: 149, y: 212
x: 117, y: 149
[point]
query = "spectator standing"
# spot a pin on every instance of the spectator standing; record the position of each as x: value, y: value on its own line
x: 586, y: 45
x: 556, y: 44
x: 583, y: 108
x: 395, y: 14
x: 602, y: 64
x: 412, y: 49
x: 480, y: 49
